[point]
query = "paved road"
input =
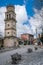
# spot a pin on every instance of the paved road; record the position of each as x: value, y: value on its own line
x: 5, y: 57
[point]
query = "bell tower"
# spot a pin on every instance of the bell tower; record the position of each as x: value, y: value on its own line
x: 10, y: 27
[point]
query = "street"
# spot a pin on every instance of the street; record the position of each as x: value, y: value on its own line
x: 34, y: 58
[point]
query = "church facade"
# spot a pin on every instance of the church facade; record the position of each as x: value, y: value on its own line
x: 10, y: 39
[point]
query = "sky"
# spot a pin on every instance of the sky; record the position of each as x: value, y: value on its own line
x: 28, y: 15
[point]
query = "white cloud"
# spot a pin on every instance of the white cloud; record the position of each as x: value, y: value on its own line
x: 21, y: 14
x: 21, y: 17
x: 2, y: 16
x: 36, y: 21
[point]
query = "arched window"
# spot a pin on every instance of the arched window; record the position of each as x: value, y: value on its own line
x: 8, y: 24
x: 8, y: 32
x: 9, y: 15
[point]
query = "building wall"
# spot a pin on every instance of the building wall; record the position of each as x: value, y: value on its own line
x: 24, y: 37
x: 10, y: 42
x: 10, y: 33
x: 11, y: 24
x: 27, y: 37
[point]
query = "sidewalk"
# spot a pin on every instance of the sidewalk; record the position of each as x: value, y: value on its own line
x: 7, y: 49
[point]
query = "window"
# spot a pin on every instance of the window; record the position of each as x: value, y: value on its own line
x: 14, y: 32
x: 8, y: 24
x: 8, y: 32
x: 7, y: 16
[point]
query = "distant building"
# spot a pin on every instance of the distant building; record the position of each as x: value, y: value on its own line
x: 39, y: 35
x: 38, y: 40
x: 20, y: 41
x: 28, y: 38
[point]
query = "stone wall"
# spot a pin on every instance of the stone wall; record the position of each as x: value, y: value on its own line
x: 10, y: 42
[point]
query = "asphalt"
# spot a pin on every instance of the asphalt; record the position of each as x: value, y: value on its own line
x: 34, y: 58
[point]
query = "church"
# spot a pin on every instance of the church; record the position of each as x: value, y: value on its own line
x: 10, y: 39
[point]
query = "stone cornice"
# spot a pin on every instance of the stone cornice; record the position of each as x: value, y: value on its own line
x: 10, y: 19
x: 10, y: 29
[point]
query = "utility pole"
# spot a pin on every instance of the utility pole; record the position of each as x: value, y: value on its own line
x: 41, y: 14
x: 36, y: 32
x: 36, y: 35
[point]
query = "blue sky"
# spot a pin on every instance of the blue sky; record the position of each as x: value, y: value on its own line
x: 29, y: 6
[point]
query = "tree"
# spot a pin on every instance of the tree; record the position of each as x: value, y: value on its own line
x: 41, y: 37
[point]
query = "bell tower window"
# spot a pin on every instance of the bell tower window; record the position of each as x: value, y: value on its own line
x: 7, y: 16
